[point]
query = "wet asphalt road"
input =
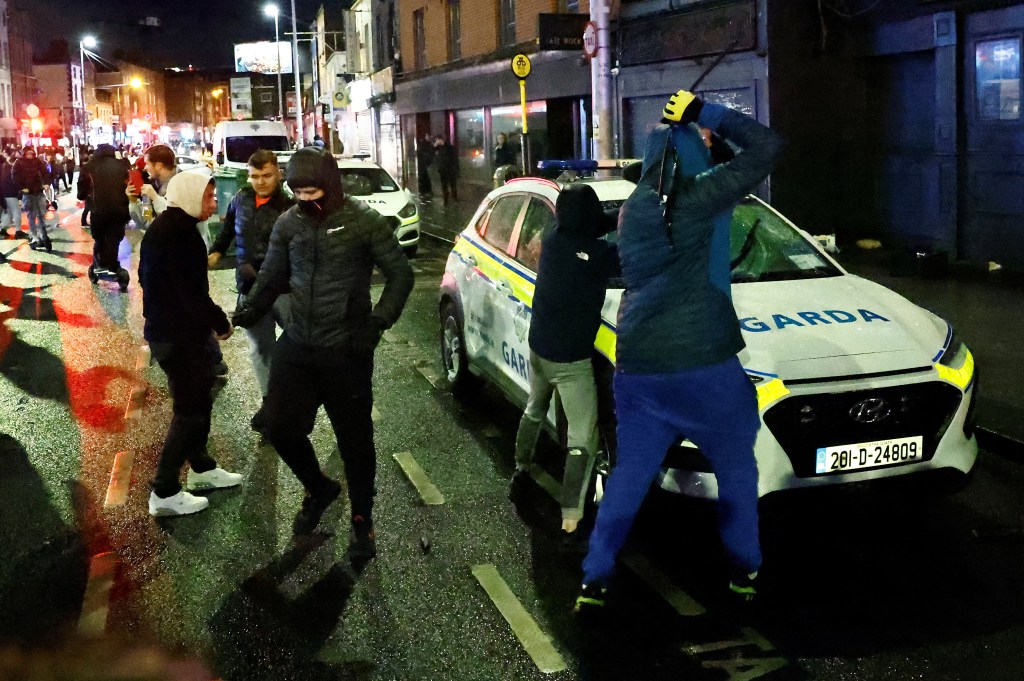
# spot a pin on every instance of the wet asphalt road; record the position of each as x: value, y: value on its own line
x: 871, y: 584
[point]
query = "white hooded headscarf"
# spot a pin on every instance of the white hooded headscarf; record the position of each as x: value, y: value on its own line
x: 185, y: 191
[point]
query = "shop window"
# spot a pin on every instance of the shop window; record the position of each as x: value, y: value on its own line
x: 419, y: 40
x: 454, y: 30
x: 469, y: 145
x: 508, y: 120
x: 507, y: 22
x: 997, y: 76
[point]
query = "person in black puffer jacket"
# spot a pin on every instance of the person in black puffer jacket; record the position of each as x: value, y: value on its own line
x: 575, y: 267
x: 102, y: 182
x: 324, y: 250
x: 11, y: 195
x: 180, y: 315
x: 249, y: 221
x: 32, y: 177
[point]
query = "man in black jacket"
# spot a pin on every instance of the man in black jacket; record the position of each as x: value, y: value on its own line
x: 11, y: 196
x: 179, y: 318
x: 102, y: 181
x: 324, y: 251
x: 249, y: 221
x: 575, y: 265
x: 32, y: 177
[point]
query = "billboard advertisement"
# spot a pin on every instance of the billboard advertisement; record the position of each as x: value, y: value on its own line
x: 262, y: 57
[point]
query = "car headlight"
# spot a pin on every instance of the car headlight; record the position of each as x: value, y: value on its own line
x: 956, y: 364
x: 408, y: 211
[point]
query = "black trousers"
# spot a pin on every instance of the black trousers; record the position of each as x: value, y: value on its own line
x: 188, y: 368
x: 423, y: 179
x: 86, y: 211
x: 107, y: 232
x: 301, y: 379
x: 448, y: 186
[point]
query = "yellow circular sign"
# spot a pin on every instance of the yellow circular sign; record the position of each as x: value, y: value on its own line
x: 521, y: 65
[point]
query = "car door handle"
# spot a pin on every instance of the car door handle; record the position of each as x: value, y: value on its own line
x: 470, y: 260
x: 504, y: 286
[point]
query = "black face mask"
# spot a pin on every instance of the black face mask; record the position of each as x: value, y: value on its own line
x: 312, y: 208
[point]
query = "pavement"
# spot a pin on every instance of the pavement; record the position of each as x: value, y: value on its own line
x: 984, y: 307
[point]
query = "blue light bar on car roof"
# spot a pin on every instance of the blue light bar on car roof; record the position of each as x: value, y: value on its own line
x: 579, y: 165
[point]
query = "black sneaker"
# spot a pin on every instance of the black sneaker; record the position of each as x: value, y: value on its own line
x: 313, y: 507
x: 93, y: 274
x: 591, y: 600
x: 123, y: 278
x: 520, y: 485
x: 364, y: 539
x: 258, y: 422
x: 743, y: 586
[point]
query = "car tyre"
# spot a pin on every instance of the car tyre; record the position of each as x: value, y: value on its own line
x: 453, y: 350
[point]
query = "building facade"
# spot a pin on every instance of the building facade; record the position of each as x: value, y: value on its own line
x: 24, y: 88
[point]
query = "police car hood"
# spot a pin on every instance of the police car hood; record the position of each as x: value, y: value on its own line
x: 386, y: 203
x: 833, y: 327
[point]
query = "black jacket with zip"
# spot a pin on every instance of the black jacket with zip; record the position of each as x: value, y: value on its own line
x: 250, y: 227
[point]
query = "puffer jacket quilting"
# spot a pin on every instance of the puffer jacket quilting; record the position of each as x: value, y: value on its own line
x: 327, y: 266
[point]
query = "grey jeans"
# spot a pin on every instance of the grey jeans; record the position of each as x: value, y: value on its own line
x: 263, y: 336
x: 35, y: 206
x: 578, y: 394
x: 11, y: 214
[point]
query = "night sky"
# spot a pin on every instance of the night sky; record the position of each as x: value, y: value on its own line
x: 196, y: 32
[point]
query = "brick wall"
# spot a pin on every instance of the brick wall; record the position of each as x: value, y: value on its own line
x: 479, y: 27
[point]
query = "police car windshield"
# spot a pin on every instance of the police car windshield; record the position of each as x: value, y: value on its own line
x: 365, y: 181
x: 764, y: 247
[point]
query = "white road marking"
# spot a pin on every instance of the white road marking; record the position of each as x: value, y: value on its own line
x: 535, y: 642
x: 96, y: 604
x: 120, y: 477
x: 374, y: 414
x: 431, y: 374
x: 428, y: 492
x: 680, y: 601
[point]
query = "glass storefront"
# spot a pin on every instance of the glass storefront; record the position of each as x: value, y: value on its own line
x: 469, y: 143
x: 508, y: 120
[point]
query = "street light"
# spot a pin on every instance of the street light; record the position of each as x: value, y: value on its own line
x: 90, y: 42
x: 271, y: 11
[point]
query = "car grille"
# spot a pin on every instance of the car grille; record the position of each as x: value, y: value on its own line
x: 803, y: 423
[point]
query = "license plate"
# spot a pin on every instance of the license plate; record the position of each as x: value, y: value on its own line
x: 843, y: 458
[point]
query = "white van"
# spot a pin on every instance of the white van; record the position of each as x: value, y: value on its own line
x: 235, y: 141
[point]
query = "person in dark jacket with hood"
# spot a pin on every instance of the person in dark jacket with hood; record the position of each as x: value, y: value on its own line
x: 575, y: 266
x: 249, y: 221
x: 102, y: 182
x: 10, y: 193
x: 180, y: 316
x: 32, y: 177
x: 324, y: 250
x: 677, y: 372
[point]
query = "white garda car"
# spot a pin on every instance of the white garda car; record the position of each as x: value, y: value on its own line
x: 374, y: 186
x: 854, y: 382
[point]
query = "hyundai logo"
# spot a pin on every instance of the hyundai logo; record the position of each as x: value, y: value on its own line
x: 871, y: 410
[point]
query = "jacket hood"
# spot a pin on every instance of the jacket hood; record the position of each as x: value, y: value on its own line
x: 105, y: 150
x: 578, y: 211
x: 314, y: 167
x: 692, y: 156
x: 185, y: 191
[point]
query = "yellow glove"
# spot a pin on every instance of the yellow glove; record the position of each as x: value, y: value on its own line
x: 682, y: 107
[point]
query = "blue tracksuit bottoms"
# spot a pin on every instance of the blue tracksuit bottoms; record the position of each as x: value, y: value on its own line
x: 716, y: 408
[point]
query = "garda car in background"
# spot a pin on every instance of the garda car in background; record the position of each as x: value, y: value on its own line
x: 374, y: 186
x: 854, y: 382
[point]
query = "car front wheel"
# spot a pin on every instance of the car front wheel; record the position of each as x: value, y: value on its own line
x: 453, y: 349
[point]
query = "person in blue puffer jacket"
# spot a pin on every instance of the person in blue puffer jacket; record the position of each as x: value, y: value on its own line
x: 677, y: 337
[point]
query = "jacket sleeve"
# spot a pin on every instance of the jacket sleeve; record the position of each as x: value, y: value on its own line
x: 391, y: 261
x: 18, y: 172
x: 135, y: 210
x: 84, y: 185
x: 719, y: 188
x: 227, y: 230
x: 274, y: 274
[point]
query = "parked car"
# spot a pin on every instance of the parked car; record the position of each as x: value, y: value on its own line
x: 374, y: 186
x: 854, y: 382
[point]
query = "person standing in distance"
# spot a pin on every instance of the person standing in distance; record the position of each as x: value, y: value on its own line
x: 324, y: 250
x: 179, y: 317
x: 102, y: 182
x: 33, y: 178
x: 678, y: 336
x: 249, y: 220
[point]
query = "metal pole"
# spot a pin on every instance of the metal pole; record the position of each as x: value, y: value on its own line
x: 280, y: 91
x: 299, y: 133
x: 600, y: 71
x: 85, y: 123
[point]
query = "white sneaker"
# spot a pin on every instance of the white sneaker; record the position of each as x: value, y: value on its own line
x: 181, y: 503
x: 213, y: 479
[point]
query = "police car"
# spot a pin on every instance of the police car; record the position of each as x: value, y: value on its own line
x: 374, y: 186
x: 854, y: 382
